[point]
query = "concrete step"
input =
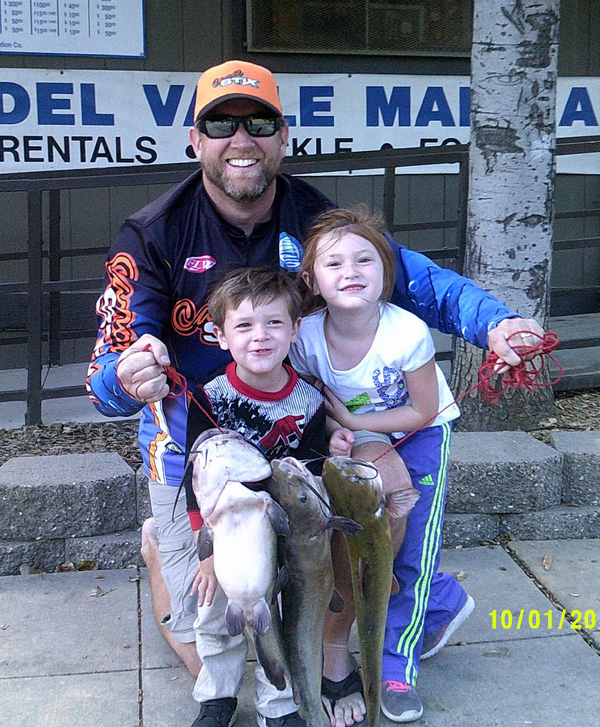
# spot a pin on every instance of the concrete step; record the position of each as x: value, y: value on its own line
x: 581, y: 466
x: 64, y: 496
x: 502, y: 472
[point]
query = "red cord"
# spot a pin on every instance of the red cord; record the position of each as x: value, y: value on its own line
x: 523, y: 376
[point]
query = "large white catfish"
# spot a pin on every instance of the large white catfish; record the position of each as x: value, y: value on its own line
x: 243, y: 528
x: 218, y: 457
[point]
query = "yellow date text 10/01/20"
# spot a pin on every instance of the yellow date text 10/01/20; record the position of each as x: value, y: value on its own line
x: 549, y: 619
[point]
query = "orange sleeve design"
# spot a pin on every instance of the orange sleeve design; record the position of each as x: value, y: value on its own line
x: 113, y: 306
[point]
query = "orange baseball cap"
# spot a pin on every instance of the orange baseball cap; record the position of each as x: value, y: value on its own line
x: 236, y: 79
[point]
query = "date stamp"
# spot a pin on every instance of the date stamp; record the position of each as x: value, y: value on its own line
x: 551, y: 619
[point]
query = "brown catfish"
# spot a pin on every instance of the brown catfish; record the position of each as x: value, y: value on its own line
x: 355, y: 489
x: 309, y: 592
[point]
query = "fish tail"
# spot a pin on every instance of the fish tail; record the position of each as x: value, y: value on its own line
x: 273, y: 669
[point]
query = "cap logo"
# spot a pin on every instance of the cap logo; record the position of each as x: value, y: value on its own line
x: 199, y: 264
x: 237, y: 78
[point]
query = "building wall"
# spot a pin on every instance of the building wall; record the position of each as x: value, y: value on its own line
x: 191, y: 36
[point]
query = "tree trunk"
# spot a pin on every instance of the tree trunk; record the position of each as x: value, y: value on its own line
x: 511, y: 186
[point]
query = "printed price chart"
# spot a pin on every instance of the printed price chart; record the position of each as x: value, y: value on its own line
x: 72, y: 27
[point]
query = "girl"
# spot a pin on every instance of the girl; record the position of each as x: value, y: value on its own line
x: 381, y: 381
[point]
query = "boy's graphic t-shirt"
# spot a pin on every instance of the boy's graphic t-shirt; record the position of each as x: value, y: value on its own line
x: 402, y: 343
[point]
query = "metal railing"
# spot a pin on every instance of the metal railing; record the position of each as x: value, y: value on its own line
x: 53, y: 182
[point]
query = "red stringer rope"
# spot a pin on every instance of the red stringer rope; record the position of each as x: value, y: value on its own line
x: 524, y: 376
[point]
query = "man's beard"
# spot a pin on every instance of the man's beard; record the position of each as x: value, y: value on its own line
x: 238, y: 191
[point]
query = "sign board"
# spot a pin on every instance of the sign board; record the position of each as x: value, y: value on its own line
x: 75, y: 119
x: 73, y: 27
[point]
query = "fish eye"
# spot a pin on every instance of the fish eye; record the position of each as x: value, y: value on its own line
x: 303, y: 497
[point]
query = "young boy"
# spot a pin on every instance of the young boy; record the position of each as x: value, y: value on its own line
x: 256, y: 316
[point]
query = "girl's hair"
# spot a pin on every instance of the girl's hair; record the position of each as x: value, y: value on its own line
x: 260, y: 286
x: 336, y: 222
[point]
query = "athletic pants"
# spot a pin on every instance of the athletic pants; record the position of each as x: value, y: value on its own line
x: 426, y: 599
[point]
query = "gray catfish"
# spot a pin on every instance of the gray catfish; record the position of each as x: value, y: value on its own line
x: 243, y: 528
x: 356, y: 492
x: 218, y: 457
x: 306, y: 554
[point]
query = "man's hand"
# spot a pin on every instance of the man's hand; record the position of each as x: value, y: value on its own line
x: 341, y: 443
x: 141, y: 373
x: 499, y: 343
x: 205, y: 582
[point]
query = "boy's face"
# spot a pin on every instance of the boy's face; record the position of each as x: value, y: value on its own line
x: 259, y: 339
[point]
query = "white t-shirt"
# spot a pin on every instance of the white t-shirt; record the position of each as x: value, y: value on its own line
x: 402, y: 343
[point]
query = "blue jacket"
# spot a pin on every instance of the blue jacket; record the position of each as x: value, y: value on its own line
x: 166, y: 259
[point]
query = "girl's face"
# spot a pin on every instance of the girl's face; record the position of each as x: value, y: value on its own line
x: 348, y: 272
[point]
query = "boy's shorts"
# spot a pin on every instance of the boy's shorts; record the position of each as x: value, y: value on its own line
x: 363, y: 436
x: 179, y: 559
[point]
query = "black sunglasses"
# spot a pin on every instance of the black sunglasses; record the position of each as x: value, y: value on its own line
x: 225, y: 126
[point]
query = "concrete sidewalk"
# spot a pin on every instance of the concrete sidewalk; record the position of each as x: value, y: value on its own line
x: 82, y: 650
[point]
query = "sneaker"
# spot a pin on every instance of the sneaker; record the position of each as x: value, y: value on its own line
x: 288, y: 720
x: 216, y: 713
x: 436, y: 640
x: 400, y: 702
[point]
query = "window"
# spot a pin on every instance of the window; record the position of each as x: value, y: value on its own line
x: 365, y: 27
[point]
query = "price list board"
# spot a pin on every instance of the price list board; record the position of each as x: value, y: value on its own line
x: 73, y: 27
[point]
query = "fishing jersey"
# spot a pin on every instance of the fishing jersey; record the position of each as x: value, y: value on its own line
x: 163, y: 264
x: 285, y: 423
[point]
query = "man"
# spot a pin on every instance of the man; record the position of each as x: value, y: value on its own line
x: 237, y: 211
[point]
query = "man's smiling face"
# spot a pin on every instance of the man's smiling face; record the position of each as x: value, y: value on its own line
x: 243, y: 167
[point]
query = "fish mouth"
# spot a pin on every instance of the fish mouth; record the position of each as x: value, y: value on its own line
x: 291, y: 462
x: 256, y: 485
x: 292, y: 466
x: 357, y: 467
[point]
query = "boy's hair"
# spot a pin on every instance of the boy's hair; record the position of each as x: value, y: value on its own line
x: 336, y: 222
x: 259, y: 285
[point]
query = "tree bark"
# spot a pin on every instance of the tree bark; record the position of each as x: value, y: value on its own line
x: 511, y: 186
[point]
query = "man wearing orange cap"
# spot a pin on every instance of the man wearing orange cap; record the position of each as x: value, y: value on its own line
x: 237, y: 211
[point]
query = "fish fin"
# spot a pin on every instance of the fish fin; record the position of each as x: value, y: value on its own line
x: 261, y: 617
x: 336, y: 605
x: 234, y: 618
x: 272, y: 668
x: 282, y: 578
x: 205, y: 543
x: 279, y: 519
x: 401, y: 502
x: 345, y: 524
x: 395, y: 586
